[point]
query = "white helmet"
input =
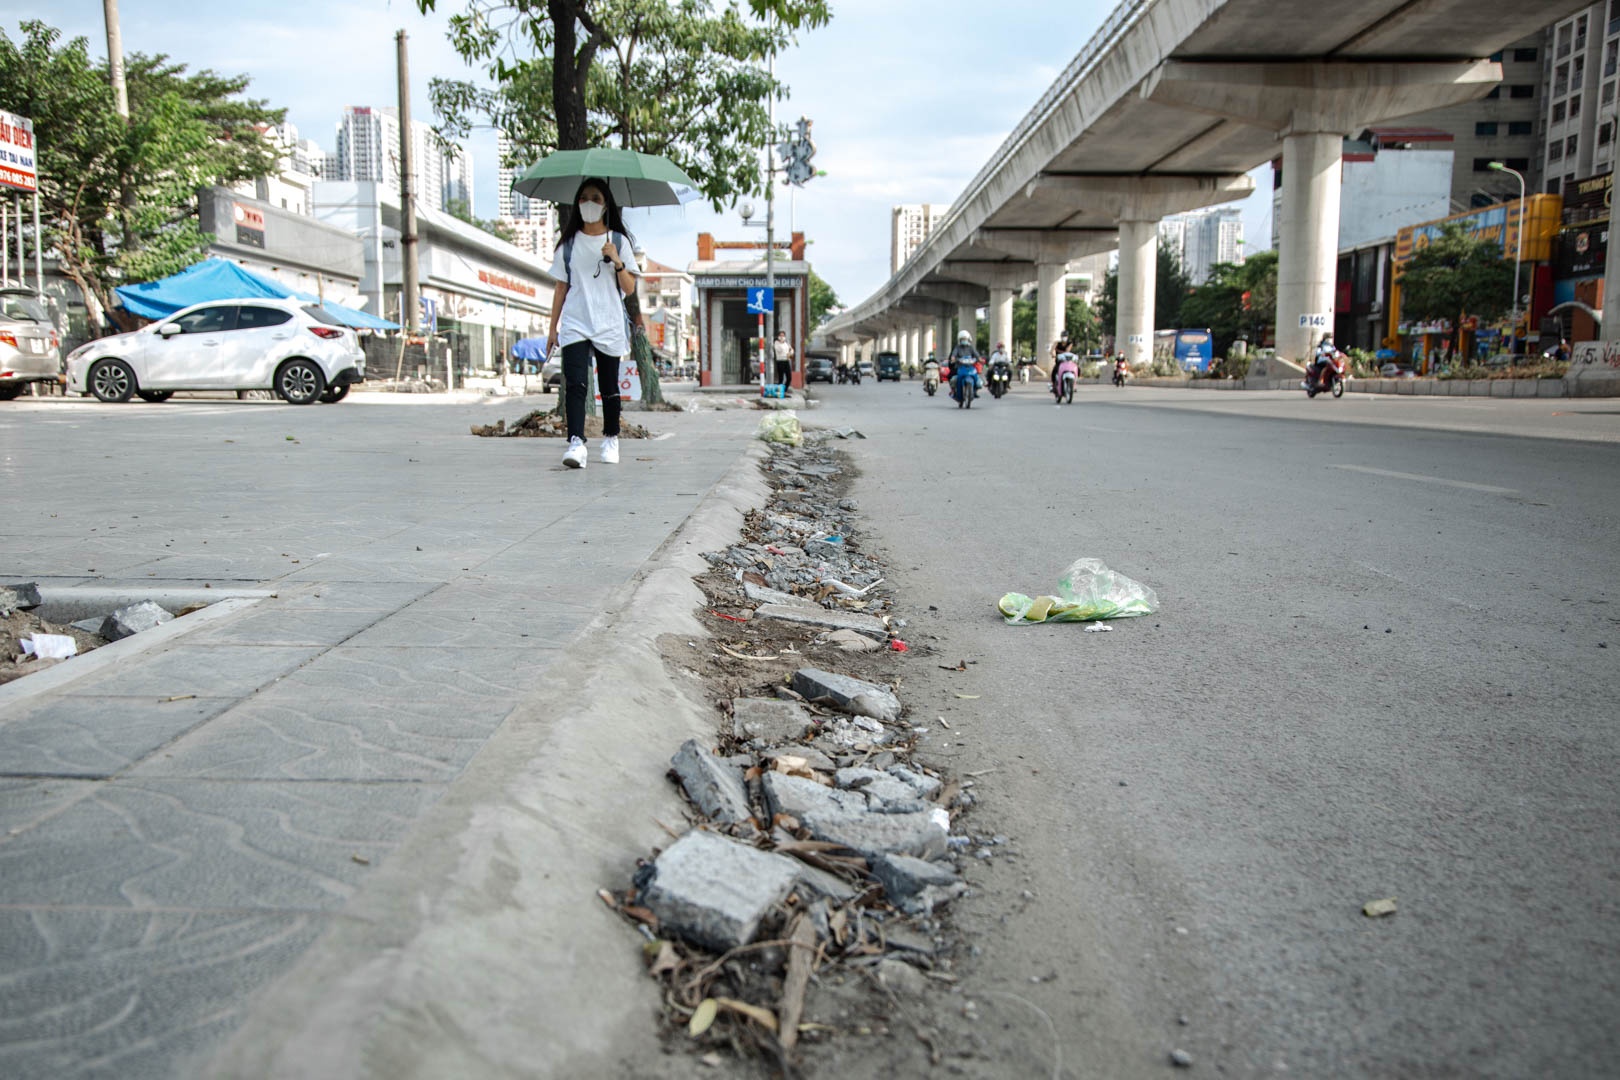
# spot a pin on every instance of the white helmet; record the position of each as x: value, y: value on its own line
x: 964, y: 337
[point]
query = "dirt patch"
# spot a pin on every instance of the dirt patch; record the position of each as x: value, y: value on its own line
x: 543, y: 424
x: 14, y: 664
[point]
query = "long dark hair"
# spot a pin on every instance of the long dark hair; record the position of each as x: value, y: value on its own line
x: 613, y: 218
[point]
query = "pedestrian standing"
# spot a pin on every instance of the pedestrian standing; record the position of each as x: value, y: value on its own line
x: 595, y: 268
x: 783, y: 352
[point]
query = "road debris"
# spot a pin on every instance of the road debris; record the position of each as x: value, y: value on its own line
x: 1087, y: 591
x: 545, y: 424
x: 1376, y: 908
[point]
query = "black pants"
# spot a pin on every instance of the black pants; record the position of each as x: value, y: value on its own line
x: 576, y: 365
x: 784, y: 371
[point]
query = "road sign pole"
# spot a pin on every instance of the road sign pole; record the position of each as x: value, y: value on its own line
x: 762, y: 353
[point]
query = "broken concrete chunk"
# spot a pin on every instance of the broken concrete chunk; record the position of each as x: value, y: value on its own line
x: 812, y: 757
x: 850, y: 641
x: 818, y: 882
x: 915, y: 886
x: 773, y: 721
x: 131, y: 620
x: 925, y: 786
x: 761, y: 594
x: 90, y: 626
x: 797, y: 797
x: 19, y: 597
x: 884, y: 792
x: 715, y: 786
x: 851, y: 695
x: 713, y: 892
x: 831, y: 620
x: 874, y: 834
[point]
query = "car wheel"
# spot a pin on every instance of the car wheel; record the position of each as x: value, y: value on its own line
x: 156, y: 397
x: 112, y: 381
x: 300, y: 381
x: 334, y: 394
x: 9, y: 393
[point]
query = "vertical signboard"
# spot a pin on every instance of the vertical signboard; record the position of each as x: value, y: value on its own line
x: 249, y: 225
x: 17, y: 169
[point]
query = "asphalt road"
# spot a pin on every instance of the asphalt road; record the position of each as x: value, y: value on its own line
x: 1385, y: 666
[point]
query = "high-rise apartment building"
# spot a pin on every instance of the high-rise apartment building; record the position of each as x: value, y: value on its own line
x: 909, y: 227
x: 511, y: 205
x: 1203, y: 238
x: 368, y: 149
x: 533, y: 222
x: 1577, y: 111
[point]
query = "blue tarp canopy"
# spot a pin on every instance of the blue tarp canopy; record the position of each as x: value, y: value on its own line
x: 220, y: 279
x: 529, y: 348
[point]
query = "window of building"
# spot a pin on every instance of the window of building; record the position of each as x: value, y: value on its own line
x: 1522, y: 90
x: 1608, y: 93
x: 1496, y: 92
x: 1526, y: 56
x: 1570, y: 144
x: 1574, y: 106
x: 1554, y: 186
x: 1485, y: 128
x: 1605, y: 133
x: 1558, y: 113
x: 1496, y: 58
x: 1555, y: 152
x: 1520, y: 163
x: 1520, y: 127
x: 1483, y: 164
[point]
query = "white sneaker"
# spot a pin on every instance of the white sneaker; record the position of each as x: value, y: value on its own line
x: 610, y: 449
x: 575, y: 457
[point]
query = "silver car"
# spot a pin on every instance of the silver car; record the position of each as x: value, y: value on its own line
x: 30, y: 350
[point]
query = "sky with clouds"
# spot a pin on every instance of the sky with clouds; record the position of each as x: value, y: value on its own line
x: 909, y: 98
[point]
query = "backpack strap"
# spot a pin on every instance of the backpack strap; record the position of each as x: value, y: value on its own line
x: 568, y: 261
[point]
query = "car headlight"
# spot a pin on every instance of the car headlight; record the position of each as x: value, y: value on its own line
x: 82, y: 350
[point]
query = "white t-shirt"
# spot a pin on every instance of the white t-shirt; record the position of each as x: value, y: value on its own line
x: 593, y: 310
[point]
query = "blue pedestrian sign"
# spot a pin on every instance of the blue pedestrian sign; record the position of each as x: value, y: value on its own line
x: 761, y: 301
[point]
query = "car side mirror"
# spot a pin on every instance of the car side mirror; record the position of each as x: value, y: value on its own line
x: 169, y: 329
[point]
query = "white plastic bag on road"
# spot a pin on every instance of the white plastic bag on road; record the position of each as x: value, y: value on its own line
x: 781, y: 427
x: 50, y: 646
x: 1087, y: 591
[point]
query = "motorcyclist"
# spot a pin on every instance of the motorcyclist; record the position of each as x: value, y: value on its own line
x: 1122, y: 370
x: 1325, y: 352
x: 999, y: 355
x: 1060, y: 349
x: 963, y: 359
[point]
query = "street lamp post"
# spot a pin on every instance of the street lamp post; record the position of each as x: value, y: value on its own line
x: 1518, y: 254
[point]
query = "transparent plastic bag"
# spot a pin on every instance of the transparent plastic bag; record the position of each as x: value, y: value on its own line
x: 781, y: 427
x: 1087, y: 591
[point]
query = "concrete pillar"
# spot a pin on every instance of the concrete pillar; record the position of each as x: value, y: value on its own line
x: 928, y: 345
x: 915, y: 357
x: 1001, y: 317
x: 1138, y: 282
x: 967, y: 318
x: 1308, y: 240
x: 1049, y: 305
x: 1610, y: 330
x: 943, y: 340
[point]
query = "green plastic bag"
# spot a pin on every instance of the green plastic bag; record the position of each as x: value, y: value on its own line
x: 1088, y: 591
x: 781, y: 427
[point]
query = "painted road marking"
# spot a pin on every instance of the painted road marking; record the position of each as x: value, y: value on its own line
x: 1430, y: 479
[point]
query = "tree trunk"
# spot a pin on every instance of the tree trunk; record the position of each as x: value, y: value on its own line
x: 567, y: 75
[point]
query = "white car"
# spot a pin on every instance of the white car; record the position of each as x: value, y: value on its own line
x: 296, y: 349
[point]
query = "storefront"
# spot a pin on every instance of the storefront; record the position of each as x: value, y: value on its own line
x: 1579, y: 261
x: 479, y: 293
x: 729, y: 345
x: 300, y: 252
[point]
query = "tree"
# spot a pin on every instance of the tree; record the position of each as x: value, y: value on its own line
x: 1170, y: 290
x: 822, y: 299
x: 679, y: 78
x: 1456, y: 275
x: 185, y: 131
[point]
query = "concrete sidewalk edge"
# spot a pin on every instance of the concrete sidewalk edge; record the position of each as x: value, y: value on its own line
x: 480, y: 948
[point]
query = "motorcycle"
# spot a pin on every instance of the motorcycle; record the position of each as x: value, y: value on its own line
x: 1121, y: 373
x: 930, y: 378
x: 967, y: 386
x: 1326, y: 375
x: 1000, y: 378
x: 1067, y: 373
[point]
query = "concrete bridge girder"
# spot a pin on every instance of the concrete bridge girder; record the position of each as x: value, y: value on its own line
x: 1115, y: 198
x: 1046, y: 245
x: 1312, y: 106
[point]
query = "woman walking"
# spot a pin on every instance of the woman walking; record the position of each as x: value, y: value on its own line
x: 596, y: 269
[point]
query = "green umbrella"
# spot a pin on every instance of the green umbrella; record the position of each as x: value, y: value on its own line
x: 636, y: 179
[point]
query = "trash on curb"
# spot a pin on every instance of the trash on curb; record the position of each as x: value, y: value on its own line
x: 50, y: 646
x: 1097, y: 628
x: 1375, y: 908
x: 781, y: 427
x: 1088, y: 591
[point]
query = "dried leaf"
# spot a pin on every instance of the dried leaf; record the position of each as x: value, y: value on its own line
x: 607, y: 898
x: 839, y: 925
x: 785, y: 821
x: 754, y: 773
x: 754, y: 577
x: 703, y: 1017
x: 641, y: 915
x: 763, y: 1017
x: 666, y: 960
x: 1374, y: 908
x: 801, y: 958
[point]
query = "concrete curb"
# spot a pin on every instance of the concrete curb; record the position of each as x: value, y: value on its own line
x: 480, y: 947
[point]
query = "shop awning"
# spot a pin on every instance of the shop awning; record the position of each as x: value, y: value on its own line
x: 221, y: 279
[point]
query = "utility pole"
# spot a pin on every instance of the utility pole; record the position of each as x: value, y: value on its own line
x: 115, y: 70
x: 767, y: 354
x: 410, y: 301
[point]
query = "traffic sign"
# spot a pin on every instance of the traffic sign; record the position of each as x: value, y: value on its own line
x: 761, y: 301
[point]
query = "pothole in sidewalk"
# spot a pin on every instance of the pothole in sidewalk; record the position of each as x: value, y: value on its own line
x: 106, y: 624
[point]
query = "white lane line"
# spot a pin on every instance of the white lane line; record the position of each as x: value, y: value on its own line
x: 1430, y: 479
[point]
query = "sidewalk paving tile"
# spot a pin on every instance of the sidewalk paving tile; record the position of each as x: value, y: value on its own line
x: 96, y: 736
x: 204, y: 670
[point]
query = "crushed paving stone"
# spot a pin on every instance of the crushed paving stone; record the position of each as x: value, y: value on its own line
x: 780, y: 728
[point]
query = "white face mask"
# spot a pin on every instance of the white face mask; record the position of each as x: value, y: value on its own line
x: 591, y: 212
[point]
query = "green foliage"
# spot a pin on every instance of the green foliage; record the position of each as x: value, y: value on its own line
x: 1363, y: 364
x: 822, y: 299
x: 185, y: 131
x: 1454, y: 276
x: 1237, y: 299
x: 686, y: 79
